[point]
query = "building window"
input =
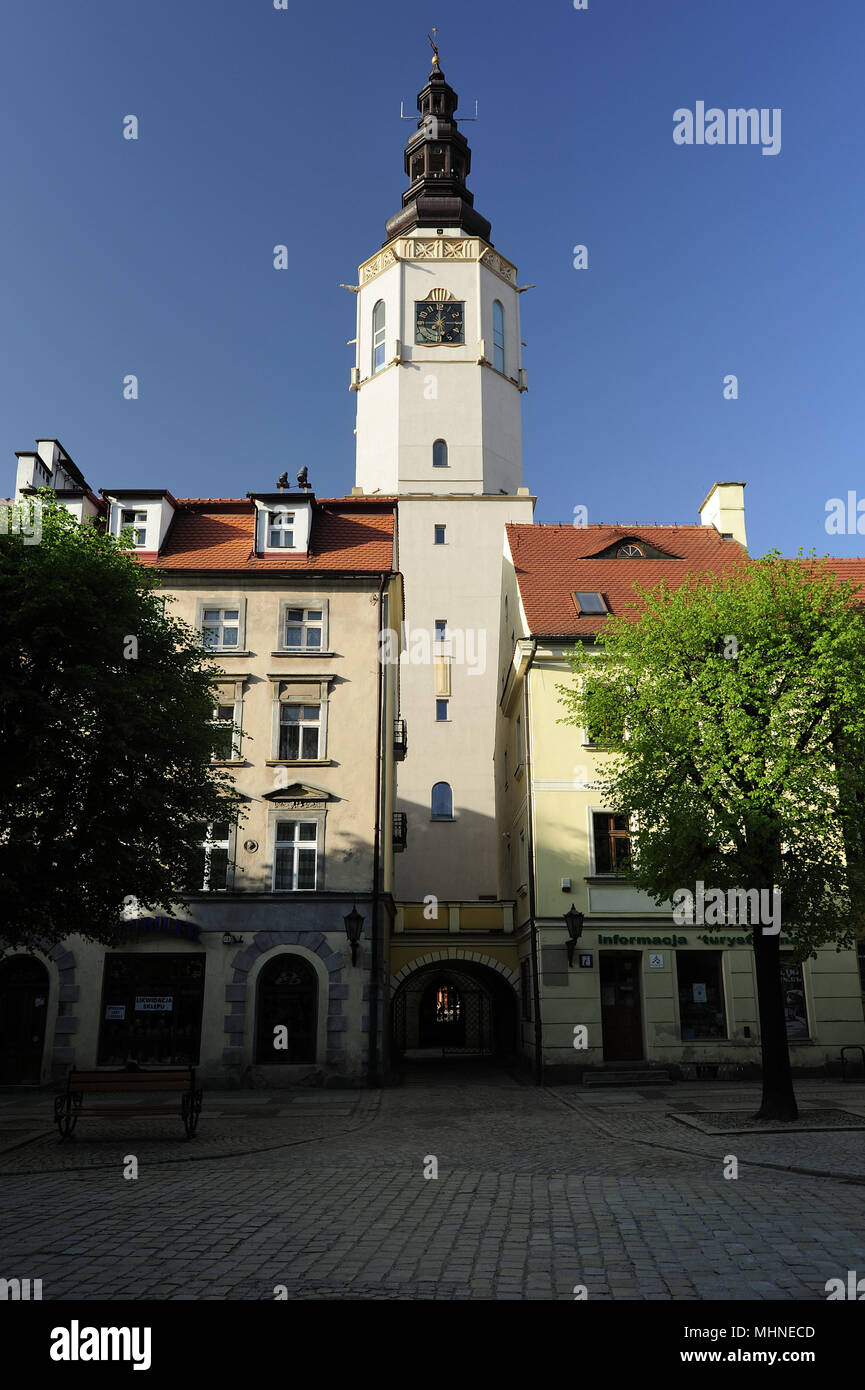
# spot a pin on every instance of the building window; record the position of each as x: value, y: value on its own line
x: 498, y: 336
x: 524, y: 860
x: 138, y: 522
x: 442, y: 802
x: 440, y: 454
x: 612, y: 836
x: 280, y: 531
x: 303, y: 629
x: 287, y: 1000
x: 223, y: 734
x: 441, y: 711
x: 439, y: 535
x: 299, y: 732
x: 378, y: 324
x: 627, y: 551
x: 795, y: 1008
x: 598, y: 733
x: 526, y: 988
x: 589, y: 603
x: 209, y: 868
x: 294, y: 867
x: 701, y: 994
x: 441, y: 629
x: 221, y: 627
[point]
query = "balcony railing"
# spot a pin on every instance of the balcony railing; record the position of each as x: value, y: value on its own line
x: 400, y: 739
x: 400, y: 830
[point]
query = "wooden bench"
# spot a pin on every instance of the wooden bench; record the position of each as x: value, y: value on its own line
x: 67, y: 1107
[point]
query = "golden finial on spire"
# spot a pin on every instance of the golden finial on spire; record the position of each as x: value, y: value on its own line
x: 434, y: 46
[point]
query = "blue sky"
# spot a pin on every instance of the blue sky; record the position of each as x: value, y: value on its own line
x: 260, y: 126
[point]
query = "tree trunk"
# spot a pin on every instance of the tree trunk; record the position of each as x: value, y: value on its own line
x: 779, y: 1101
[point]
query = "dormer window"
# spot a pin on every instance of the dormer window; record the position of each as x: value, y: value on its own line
x: 627, y: 551
x: 138, y: 521
x: 280, y: 530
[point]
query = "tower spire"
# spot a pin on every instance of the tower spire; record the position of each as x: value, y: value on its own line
x: 437, y: 162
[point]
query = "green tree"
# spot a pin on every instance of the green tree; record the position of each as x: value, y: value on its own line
x: 734, y: 711
x: 105, y: 709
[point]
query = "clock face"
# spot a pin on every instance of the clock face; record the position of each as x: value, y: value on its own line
x: 439, y: 321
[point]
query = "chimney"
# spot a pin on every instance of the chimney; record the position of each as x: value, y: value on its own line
x: 724, y: 508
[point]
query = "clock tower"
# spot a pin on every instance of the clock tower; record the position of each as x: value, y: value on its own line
x: 439, y: 372
x: 439, y: 384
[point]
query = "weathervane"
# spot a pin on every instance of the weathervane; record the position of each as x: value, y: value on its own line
x: 434, y: 46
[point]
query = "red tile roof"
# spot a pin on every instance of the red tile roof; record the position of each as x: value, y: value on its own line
x: 553, y: 562
x: 348, y: 533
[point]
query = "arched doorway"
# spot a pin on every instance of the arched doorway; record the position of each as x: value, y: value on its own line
x: 23, y: 1011
x: 450, y: 1009
x: 287, y: 998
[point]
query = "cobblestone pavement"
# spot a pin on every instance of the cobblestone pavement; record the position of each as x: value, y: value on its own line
x: 538, y: 1191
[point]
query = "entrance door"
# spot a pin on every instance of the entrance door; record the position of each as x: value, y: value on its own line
x: 23, y: 1010
x: 620, y: 1006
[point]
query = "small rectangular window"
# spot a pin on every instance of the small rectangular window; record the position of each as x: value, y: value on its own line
x: 280, y: 531
x: 138, y: 522
x: 441, y: 629
x: 612, y: 836
x: 221, y: 627
x: 590, y: 603
x: 299, y: 731
x: 303, y: 629
x: 439, y: 535
x: 294, y: 860
x: 223, y: 733
x: 209, y: 867
x: 442, y: 711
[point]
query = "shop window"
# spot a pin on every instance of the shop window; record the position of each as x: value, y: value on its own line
x: 701, y: 995
x: 151, y: 1010
x: 795, y: 1008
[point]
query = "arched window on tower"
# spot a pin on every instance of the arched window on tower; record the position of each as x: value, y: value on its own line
x: 498, y: 336
x: 440, y: 454
x: 442, y: 802
x: 378, y: 337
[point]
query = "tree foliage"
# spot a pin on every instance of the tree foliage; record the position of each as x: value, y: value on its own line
x: 105, y: 709
x: 733, y: 709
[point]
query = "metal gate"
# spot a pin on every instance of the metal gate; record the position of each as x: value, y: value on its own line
x: 467, y: 1028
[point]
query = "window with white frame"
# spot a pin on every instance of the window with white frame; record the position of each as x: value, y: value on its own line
x: 209, y: 870
x: 221, y: 628
x: 299, y: 732
x: 280, y: 530
x: 498, y: 336
x: 224, y: 733
x: 303, y: 629
x: 378, y: 332
x: 138, y: 521
x: 295, y: 854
